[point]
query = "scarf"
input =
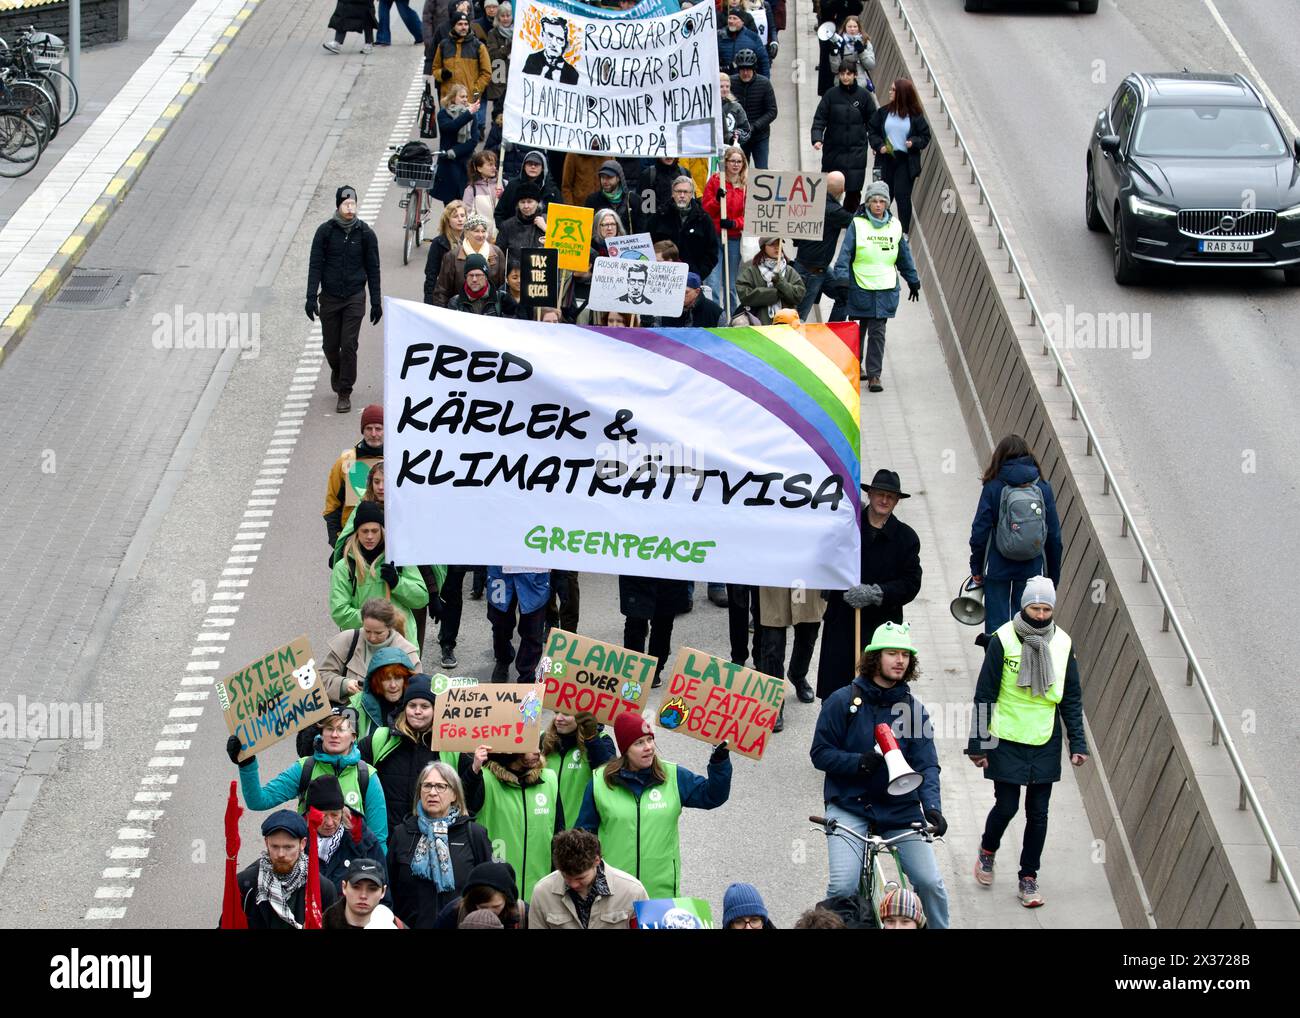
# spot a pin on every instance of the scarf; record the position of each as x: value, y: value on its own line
x: 432, y: 859
x: 615, y: 196
x: 327, y: 846
x: 1036, y: 669
x: 469, y: 249
x: 476, y: 294
x: 348, y: 225
x: 463, y: 134
x: 507, y: 32
x: 278, y: 890
x: 372, y: 554
x: 771, y: 268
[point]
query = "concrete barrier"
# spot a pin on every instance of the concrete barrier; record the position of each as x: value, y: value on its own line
x: 1179, y: 849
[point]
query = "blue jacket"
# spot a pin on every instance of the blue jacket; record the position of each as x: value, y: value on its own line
x: 696, y: 792
x: 532, y: 589
x: 841, y: 738
x: 746, y: 38
x: 1015, y: 472
x: 284, y: 788
x: 871, y: 303
x: 451, y: 177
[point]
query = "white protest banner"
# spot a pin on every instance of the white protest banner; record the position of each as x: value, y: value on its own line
x: 638, y: 288
x: 730, y: 454
x: 760, y: 22
x: 633, y: 245
x: 785, y: 203
x: 637, y: 87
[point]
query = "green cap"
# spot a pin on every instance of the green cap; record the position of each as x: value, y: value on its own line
x: 891, y: 636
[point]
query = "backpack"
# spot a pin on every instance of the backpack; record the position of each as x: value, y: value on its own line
x: 363, y: 782
x: 416, y: 152
x: 1021, y: 529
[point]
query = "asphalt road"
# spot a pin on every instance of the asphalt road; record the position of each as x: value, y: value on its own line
x: 1202, y: 424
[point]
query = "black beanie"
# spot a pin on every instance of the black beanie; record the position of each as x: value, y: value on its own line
x: 325, y: 793
x: 343, y: 193
x: 475, y: 261
x: 527, y: 189
x: 500, y: 876
x: 367, y: 512
x: 419, y: 688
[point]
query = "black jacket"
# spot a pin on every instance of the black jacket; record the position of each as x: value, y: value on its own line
x: 353, y: 16
x: 398, y: 772
x: 438, y: 249
x: 641, y: 597
x: 343, y: 262
x: 1016, y: 762
x: 840, y: 124
x: 695, y: 236
x: 703, y: 314
x: 508, y: 204
x: 494, y: 304
x: 819, y: 254
x: 759, y: 100
x: 263, y: 917
x: 891, y: 558
x: 657, y: 179
x: 918, y: 135
x: 336, y: 870
x: 515, y: 235
x: 417, y: 901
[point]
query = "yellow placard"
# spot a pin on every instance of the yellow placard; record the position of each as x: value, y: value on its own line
x: 568, y: 230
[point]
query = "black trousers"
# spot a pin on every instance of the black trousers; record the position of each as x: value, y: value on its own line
x: 340, y: 327
x: 1006, y: 803
x: 563, y: 609
x: 771, y: 659
x: 530, y: 626
x: 660, y: 629
x: 742, y: 607
x: 432, y: 610
x: 340, y: 36
x: 897, y: 173
x: 453, y: 603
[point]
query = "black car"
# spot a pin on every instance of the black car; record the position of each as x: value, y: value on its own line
x: 1194, y: 169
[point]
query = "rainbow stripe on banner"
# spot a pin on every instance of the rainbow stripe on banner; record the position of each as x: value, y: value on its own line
x: 806, y: 375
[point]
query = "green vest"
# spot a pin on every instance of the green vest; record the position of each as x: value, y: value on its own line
x: 639, y: 836
x: 574, y: 774
x: 1019, y: 716
x: 875, y: 251
x: 348, y: 781
x: 521, y: 824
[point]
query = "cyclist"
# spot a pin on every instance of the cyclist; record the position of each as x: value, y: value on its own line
x: 857, y: 782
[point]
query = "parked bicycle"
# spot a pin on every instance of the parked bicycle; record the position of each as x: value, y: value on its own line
x: 36, y: 98
x: 873, y: 884
x: 21, y: 139
x: 413, y: 166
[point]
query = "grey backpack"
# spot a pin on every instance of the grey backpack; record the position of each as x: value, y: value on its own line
x: 1022, y: 523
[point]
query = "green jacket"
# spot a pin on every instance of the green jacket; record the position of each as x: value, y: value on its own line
x: 348, y: 593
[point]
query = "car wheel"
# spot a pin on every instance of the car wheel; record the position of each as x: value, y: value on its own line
x: 1090, y: 214
x: 1125, y: 266
x: 974, y: 5
x: 1088, y: 6
x: 1292, y: 276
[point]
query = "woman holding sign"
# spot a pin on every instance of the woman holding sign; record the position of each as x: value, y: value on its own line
x: 724, y: 201
x: 634, y: 805
x: 573, y: 748
x: 517, y: 799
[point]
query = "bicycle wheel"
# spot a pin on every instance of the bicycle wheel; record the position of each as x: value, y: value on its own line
x: 34, y: 102
x: 411, y: 224
x: 65, y: 93
x: 20, y: 144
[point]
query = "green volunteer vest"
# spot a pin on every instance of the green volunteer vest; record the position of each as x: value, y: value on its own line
x: 521, y: 824
x: 640, y: 836
x: 1019, y: 716
x: 574, y: 773
x: 875, y: 252
x: 347, y: 781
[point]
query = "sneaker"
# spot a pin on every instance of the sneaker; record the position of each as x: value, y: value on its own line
x: 345, y: 404
x: 718, y: 595
x: 659, y: 681
x: 367, y: 48
x: 332, y: 46
x: 449, y: 658
x: 862, y: 376
x: 1030, y: 895
x: 984, y: 868
x: 873, y: 385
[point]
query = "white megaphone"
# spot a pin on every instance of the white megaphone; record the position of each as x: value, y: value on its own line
x: 902, y: 779
x: 968, y: 606
x: 825, y: 30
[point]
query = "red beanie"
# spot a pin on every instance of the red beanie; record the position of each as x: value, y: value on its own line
x: 628, y: 728
x: 373, y: 414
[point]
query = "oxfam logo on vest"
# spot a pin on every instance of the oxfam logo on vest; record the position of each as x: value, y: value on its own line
x: 352, y: 798
x: 540, y: 799
x: 656, y: 799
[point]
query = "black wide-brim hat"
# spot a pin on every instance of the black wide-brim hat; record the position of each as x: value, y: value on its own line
x: 886, y: 480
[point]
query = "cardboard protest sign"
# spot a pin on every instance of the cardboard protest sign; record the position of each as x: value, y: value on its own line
x: 673, y: 914
x: 503, y: 715
x: 638, y: 288
x: 568, y: 230
x: 539, y: 277
x: 628, y: 86
x: 585, y: 675
x: 785, y: 203
x: 273, y: 697
x: 711, y: 699
x: 651, y: 451
x: 637, y: 246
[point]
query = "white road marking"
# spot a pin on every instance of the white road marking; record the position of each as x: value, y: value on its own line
x: 1254, y: 71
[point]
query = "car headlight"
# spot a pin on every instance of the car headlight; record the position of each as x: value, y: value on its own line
x: 1151, y: 211
x: 1290, y: 214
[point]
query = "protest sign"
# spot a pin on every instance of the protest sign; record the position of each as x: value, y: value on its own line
x: 272, y: 697
x: 760, y: 22
x: 632, y: 245
x: 582, y: 675
x: 503, y: 715
x: 785, y: 203
x: 568, y: 230
x: 539, y: 277
x: 712, y: 699
x: 654, y: 452
x: 638, y: 288
x: 673, y: 914
x: 645, y: 86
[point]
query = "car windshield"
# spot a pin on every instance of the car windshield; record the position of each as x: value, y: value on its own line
x: 1208, y: 131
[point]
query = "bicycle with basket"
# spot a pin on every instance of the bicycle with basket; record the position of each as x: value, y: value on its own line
x: 413, y: 166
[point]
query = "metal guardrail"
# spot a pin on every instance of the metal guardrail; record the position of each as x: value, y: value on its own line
x: 1195, y: 675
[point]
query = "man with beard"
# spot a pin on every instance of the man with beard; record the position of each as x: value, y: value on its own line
x: 274, y: 889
